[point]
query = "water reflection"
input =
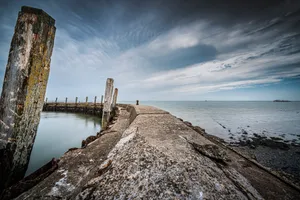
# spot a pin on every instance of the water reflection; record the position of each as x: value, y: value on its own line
x: 57, y: 132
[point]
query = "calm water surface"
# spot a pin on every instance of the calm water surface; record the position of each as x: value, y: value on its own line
x: 271, y: 119
x: 57, y: 132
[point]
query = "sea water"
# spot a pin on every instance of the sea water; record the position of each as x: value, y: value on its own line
x: 57, y: 132
x: 229, y: 120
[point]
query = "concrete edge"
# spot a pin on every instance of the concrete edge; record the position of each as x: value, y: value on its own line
x: 212, y: 139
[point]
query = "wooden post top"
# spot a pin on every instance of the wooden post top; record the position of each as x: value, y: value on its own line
x: 45, y: 17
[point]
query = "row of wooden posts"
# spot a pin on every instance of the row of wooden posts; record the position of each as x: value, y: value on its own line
x: 95, y: 99
x: 110, y: 102
x: 76, y: 99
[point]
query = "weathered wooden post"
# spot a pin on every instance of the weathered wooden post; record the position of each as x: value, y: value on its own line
x: 55, y: 104
x: 75, y: 109
x: 115, y: 97
x: 101, y: 99
x: 137, y: 102
x: 107, y: 102
x: 23, y: 91
x: 46, y: 100
x: 86, y: 104
x: 95, y: 105
x: 66, y: 104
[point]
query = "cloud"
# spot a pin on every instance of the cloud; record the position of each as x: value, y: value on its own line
x: 155, y: 47
x: 259, y: 63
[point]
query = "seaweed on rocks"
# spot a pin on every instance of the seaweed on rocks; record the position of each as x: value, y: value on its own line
x: 257, y: 140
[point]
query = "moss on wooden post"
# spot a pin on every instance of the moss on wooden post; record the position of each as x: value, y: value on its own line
x: 23, y: 91
x: 107, y: 102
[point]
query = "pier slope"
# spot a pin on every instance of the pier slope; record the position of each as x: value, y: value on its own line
x: 149, y: 154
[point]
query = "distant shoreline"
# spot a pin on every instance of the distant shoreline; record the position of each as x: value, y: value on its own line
x: 281, y: 101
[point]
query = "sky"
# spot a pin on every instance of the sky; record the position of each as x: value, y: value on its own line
x: 169, y: 49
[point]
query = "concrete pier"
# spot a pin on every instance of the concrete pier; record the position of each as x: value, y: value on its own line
x: 107, y: 108
x: 23, y: 91
x: 148, y: 153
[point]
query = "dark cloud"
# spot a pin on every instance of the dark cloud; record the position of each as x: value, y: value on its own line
x: 231, y: 44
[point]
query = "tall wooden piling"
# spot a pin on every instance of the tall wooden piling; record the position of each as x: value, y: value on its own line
x: 101, y: 99
x: 23, y: 91
x: 76, y: 99
x: 115, y: 97
x: 107, y: 102
x: 46, y: 100
x: 95, y: 100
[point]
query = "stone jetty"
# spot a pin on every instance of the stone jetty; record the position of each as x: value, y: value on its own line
x: 147, y: 153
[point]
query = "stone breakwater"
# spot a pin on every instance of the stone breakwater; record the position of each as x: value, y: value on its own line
x: 146, y: 153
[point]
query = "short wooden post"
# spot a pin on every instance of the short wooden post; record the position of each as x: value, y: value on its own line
x: 107, y: 102
x: 115, y: 97
x: 95, y: 105
x: 55, y: 104
x: 137, y: 102
x: 86, y: 104
x: 23, y: 91
x: 66, y: 100
x: 75, y: 109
